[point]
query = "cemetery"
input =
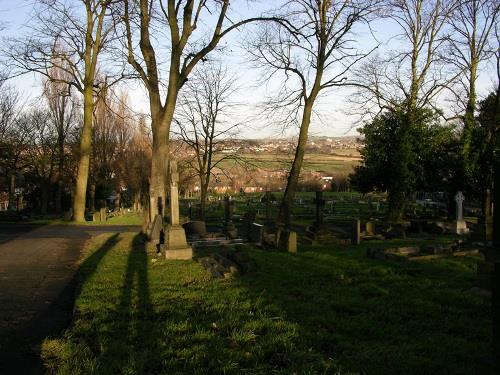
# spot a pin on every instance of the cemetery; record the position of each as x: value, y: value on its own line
x: 250, y: 187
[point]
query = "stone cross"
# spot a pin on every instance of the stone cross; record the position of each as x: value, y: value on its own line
x: 320, y: 203
x: 174, y: 193
x: 459, y: 198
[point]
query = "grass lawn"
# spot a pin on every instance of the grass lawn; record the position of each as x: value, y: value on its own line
x: 323, y: 311
x: 130, y: 218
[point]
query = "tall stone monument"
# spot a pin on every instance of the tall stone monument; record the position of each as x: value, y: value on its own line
x: 459, y: 226
x: 175, y: 246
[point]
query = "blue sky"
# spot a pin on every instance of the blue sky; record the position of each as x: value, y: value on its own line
x: 335, y: 122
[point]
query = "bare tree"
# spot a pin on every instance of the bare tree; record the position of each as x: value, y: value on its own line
x: 313, y: 53
x: 470, y: 43
x: 193, y: 29
x: 63, y: 108
x: 409, y: 79
x: 40, y: 150
x: 68, y: 36
x: 12, y: 140
x: 204, y: 123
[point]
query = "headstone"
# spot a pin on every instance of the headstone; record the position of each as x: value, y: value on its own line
x: 249, y: 219
x: 96, y: 217
x: 155, y: 229
x: 287, y: 240
x: 356, y: 232
x: 68, y: 215
x: 229, y: 228
x: 318, y: 232
x: 195, y: 228
x: 103, y: 214
x: 459, y: 226
x: 175, y: 246
x: 256, y: 233
x: 369, y: 228
x: 319, y: 204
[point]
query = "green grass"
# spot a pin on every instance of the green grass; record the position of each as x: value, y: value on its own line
x: 325, y: 310
x: 130, y: 218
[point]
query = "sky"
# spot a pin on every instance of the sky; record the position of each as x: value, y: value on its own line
x: 332, y: 107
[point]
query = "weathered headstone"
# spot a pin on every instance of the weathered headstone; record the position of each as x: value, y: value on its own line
x: 459, y: 226
x: 319, y: 204
x: 256, y: 233
x: 68, y: 215
x: 195, y: 228
x: 229, y: 228
x: 318, y: 232
x: 286, y: 240
x: 369, y: 228
x: 155, y: 230
x: 96, y: 217
x: 175, y: 246
x: 355, y: 232
x: 103, y: 214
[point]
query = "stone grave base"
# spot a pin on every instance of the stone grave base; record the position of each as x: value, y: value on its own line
x: 175, y: 246
x: 227, y: 264
x: 415, y: 253
x: 318, y: 236
x: 178, y: 254
x: 460, y: 227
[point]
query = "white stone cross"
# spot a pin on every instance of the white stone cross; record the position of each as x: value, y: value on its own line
x: 459, y: 198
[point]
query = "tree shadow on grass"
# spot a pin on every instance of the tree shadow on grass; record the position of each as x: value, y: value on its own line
x: 130, y: 344
x: 376, y: 317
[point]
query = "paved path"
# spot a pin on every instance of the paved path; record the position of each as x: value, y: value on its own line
x: 37, y: 269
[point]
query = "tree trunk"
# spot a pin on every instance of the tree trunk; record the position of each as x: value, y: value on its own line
x: 469, y: 121
x: 59, y: 191
x: 92, y: 198
x: 12, y: 191
x: 84, y: 161
x: 44, y: 198
x: 293, y: 177
x: 161, y: 121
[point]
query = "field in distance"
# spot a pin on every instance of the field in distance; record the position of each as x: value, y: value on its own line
x: 340, y: 161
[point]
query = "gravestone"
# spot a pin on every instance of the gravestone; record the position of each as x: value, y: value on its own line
x: 356, y: 232
x: 319, y: 204
x: 248, y: 219
x: 256, y: 233
x: 175, y: 246
x: 369, y: 228
x: 102, y: 211
x: 68, y: 215
x: 229, y: 229
x: 269, y: 222
x: 96, y: 217
x: 154, y: 234
x: 318, y: 232
x: 459, y: 226
x: 195, y: 229
x: 286, y: 240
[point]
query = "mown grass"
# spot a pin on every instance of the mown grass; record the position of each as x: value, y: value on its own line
x: 130, y: 218
x: 324, y: 310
